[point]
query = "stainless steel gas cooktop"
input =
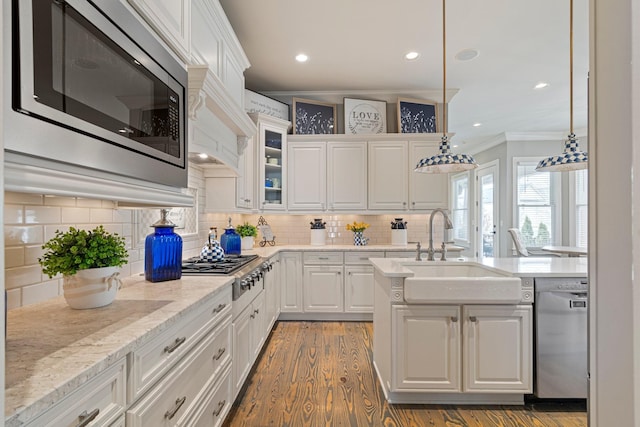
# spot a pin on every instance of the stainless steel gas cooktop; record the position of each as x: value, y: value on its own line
x: 229, y: 265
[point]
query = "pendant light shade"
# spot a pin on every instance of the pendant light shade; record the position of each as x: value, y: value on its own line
x: 572, y: 157
x: 570, y: 160
x: 445, y: 161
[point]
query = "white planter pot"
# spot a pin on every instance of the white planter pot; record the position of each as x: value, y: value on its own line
x: 247, y: 243
x: 92, y: 288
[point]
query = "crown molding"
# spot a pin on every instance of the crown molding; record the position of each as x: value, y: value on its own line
x: 391, y: 96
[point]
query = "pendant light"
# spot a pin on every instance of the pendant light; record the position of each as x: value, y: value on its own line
x: 572, y: 158
x: 446, y: 161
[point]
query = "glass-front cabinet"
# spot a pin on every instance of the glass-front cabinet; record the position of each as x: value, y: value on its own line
x: 272, y: 161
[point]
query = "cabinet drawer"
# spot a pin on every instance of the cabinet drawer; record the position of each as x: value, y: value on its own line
x: 322, y: 257
x: 102, y: 396
x: 361, y: 257
x: 152, y: 360
x: 172, y: 400
x: 217, y: 403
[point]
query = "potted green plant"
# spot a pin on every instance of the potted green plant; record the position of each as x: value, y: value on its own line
x: 248, y: 233
x: 89, y: 262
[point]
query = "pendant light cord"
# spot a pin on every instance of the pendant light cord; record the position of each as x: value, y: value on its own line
x: 570, y: 65
x: 444, y: 72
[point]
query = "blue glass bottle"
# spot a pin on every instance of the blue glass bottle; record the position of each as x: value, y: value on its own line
x: 230, y: 241
x: 163, y: 252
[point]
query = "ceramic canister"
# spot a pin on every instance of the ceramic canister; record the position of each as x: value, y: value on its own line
x: 399, y: 237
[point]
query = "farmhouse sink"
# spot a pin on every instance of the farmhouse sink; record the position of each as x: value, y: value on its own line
x: 459, y: 282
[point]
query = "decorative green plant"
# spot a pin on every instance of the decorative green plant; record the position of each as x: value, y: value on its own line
x: 247, y: 230
x: 74, y: 250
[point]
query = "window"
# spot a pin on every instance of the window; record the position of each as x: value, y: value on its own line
x: 580, y: 199
x: 460, y: 207
x: 537, y: 213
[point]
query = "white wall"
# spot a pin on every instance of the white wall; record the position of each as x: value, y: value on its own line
x: 614, y: 203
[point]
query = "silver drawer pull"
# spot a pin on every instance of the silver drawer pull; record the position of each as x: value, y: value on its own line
x: 177, y: 343
x: 323, y: 257
x: 363, y: 258
x: 172, y: 412
x: 454, y: 319
x: 473, y: 318
x: 85, y: 418
x: 253, y: 316
x: 219, y: 308
x: 220, y: 406
x: 219, y: 354
x: 256, y: 311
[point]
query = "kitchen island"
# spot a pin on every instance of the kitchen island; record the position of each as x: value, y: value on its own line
x: 458, y: 332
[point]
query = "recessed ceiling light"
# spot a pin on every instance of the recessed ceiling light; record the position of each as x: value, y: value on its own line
x: 455, y: 146
x: 467, y: 55
x: 411, y: 56
x: 475, y: 125
x: 301, y: 57
x: 541, y: 85
x: 203, y: 155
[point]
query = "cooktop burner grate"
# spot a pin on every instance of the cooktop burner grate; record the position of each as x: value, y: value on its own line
x: 228, y: 265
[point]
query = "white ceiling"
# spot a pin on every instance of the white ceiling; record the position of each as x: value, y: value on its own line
x: 357, y: 47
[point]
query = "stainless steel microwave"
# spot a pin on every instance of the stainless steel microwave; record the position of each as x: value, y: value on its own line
x: 93, y: 88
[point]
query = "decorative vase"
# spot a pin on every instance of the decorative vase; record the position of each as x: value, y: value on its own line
x: 247, y: 243
x: 163, y: 252
x: 91, y: 288
x: 359, y: 239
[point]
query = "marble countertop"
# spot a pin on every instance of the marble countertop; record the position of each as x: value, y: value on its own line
x: 268, y: 251
x: 521, y: 267
x: 51, y: 349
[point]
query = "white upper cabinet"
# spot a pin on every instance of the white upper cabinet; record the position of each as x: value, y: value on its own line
x: 346, y: 175
x: 307, y: 175
x: 171, y: 19
x: 245, y: 183
x: 426, y: 190
x: 272, y: 161
x: 388, y: 177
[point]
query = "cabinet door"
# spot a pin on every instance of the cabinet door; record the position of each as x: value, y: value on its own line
x: 346, y: 175
x: 426, y: 190
x: 307, y: 175
x: 497, y: 348
x: 272, y: 293
x: 171, y: 19
x: 323, y: 289
x: 272, y: 162
x: 258, y: 325
x: 358, y: 289
x: 388, y: 177
x: 427, y: 348
x: 291, y: 282
x: 245, y: 197
x: 242, y: 351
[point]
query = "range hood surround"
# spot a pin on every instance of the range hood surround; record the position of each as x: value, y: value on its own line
x: 218, y: 126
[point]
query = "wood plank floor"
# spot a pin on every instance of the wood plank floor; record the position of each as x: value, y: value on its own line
x: 321, y: 374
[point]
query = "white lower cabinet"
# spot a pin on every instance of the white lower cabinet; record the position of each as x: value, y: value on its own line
x: 291, y: 282
x: 427, y: 344
x: 470, y: 348
x: 248, y: 336
x: 323, y: 286
x: 120, y: 422
x: 272, y: 291
x: 498, y: 348
x: 217, y: 402
x: 176, y: 396
x: 99, y: 402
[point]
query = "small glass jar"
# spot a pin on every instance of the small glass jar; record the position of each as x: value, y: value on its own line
x: 163, y: 252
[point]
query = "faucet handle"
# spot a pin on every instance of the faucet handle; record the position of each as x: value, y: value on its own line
x: 443, y: 256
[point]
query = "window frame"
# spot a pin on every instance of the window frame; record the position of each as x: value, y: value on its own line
x: 453, y: 178
x: 555, y: 194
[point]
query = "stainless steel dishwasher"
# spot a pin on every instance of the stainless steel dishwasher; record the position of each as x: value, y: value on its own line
x: 561, y: 338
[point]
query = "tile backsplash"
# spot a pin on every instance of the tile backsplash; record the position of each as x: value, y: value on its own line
x: 31, y: 219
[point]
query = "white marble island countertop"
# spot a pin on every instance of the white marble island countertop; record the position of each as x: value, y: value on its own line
x: 521, y: 267
x: 51, y: 349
